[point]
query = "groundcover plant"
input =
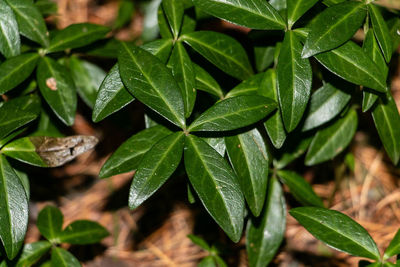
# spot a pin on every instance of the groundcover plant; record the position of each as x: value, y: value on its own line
x: 315, y: 66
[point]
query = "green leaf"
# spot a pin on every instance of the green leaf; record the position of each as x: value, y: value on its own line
x: 188, y: 25
x: 387, y: 122
x: 207, y: 262
x: 351, y: 57
x: 46, y: 7
x: 205, y: 82
x: 222, y: 50
x: 293, y: 148
x: 332, y: 2
x: 265, y: 233
x: 330, y: 141
x: 83, y: 232
x: 46, y: 151
x: 18, y: 112
x: 300, y: 189
x: 247, y: 87
x: 58, y: 89
x: 297, y: 8
x: 274, y: 123
x: 248, y: 156
x: 165, y: 30
x: 393, y: 25
x: 294, y: 81
x: 30, y: 22
x: 46, y: 127
x: 337, y: 230
x: 233, y: 113
x: 10, y: 43
x: 112, y: 96
x: 326, y: 103
x: 126, y: 10
x: 200, y: 242
x: 160, y: 48
x: 371, y: 48
x: 13, y: 209
x: 190, y: 194
x: 218, y: 143
x: 149, y: 80
x: 263, y: 57
x: 128, y: 156
x: 49, y: 223
x: 15, y: 70
x: 32, y: 252
x: 216, y: 185
x: 88, y: 78
x: 333, y: 27
x: 77, y: 35
x: 381, y: 31
x: 155, y: 168
x: 62, y: 258
x: 183, y: 72
x: 255, y: 14
x: 393, y: 248
x: 174, y: 12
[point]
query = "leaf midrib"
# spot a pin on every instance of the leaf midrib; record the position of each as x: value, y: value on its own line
x: 73, y: 38
x: 19, y: 67
x: 393, y: 138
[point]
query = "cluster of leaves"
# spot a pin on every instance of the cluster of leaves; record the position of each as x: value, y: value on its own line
x: 272, y: 116
x: 28, y: 132
x: 49, y: 223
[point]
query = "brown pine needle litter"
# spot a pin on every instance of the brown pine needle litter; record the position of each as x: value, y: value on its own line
x: 155, y: 234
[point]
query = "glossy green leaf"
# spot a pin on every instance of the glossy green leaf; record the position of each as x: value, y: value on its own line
x: 200, y: 242
x: 248, y: 156
x: 156, y: 167
x: 18, y: 112
x: 351, y: 57
x: 30, y: 22
x: 62, y: 258
x: 43, y: 151
x: 247, y: 87
x: 393, y: 25
x: 160, y: 48
x: 77, y: 35
x: 216, y: 185
x: 88, y: 78
x: 205, y: 82
x: 387, y: 122
x: 165, y: 30
x: 112, y: 96
x: 325, y: 104
x: 330, y: 141
x: 294, y: 81
x: 263, y: 57
x: 334, y: 26
x: 11, y: 136
x: 381, y: 31
x: 372, y: 49
x: 58, y: 89
x: 83, y: 232
x: 337, y: 230
x: 222, y: 50
x: 297, y: 8
x: 233, y: 113
x: 174, y: 12
x: 190, y: 194
x: 274, y: 123
x: 128, y: 156
x: 265, y: 233
x: 32, y: 252
x: 10, y: 43
x: 255, y: 14
x: 15, y: 70
x: 149, y: 80
x: 218, y: 143
x: 13, y: 209
x: 188, y: 25
x: 300, y: 189
x: 394, y: 247
x: 332, y: 2
x: 126, y: 10
x: 184, y: 75
x: 46, y: 126
x: 49, y: 223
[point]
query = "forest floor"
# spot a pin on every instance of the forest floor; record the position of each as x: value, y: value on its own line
x: 155, y: 234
